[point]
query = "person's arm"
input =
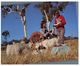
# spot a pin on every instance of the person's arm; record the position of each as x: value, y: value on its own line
x: 61, y: 21
x: 58, y: 22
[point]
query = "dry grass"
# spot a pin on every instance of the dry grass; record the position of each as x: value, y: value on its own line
x: 29, y: 58
x: 25, y: 58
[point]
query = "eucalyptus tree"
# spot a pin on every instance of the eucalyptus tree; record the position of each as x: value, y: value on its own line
x: 48, y: 10
x: 45, y: 9
x: 16, y: 7
x: 5, y: 34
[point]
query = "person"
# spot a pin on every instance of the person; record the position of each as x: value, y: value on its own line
x: 44, y: 30
x: 59, y: 23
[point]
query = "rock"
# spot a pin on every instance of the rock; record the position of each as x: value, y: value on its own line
x: 55, y: 50
x: 64, y: 49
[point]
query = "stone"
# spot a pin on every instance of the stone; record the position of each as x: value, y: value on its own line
x: 64, y: 49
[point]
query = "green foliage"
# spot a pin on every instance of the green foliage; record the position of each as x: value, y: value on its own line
x: 5, y: 9
x: 5, y: 34
x: 50, y: 8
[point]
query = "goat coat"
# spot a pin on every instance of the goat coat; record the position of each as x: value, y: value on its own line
x: 13, y: 49
x: 48, y: 43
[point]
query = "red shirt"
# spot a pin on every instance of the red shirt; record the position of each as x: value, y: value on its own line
x: 62, y: 20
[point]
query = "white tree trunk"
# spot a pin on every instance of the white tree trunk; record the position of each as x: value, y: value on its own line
x: 46, y: 16
x: 23, y: 19
x: 25, y: 33
x: 48, y: 22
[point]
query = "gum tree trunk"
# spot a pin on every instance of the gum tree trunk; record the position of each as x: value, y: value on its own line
x: 23, y: 19
x: 48, y: 22
x: 25, y: 31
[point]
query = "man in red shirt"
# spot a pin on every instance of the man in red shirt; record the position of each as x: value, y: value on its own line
x: 59, y: 23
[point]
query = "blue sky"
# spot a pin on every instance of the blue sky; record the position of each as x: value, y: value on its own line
x: 13, y: 24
